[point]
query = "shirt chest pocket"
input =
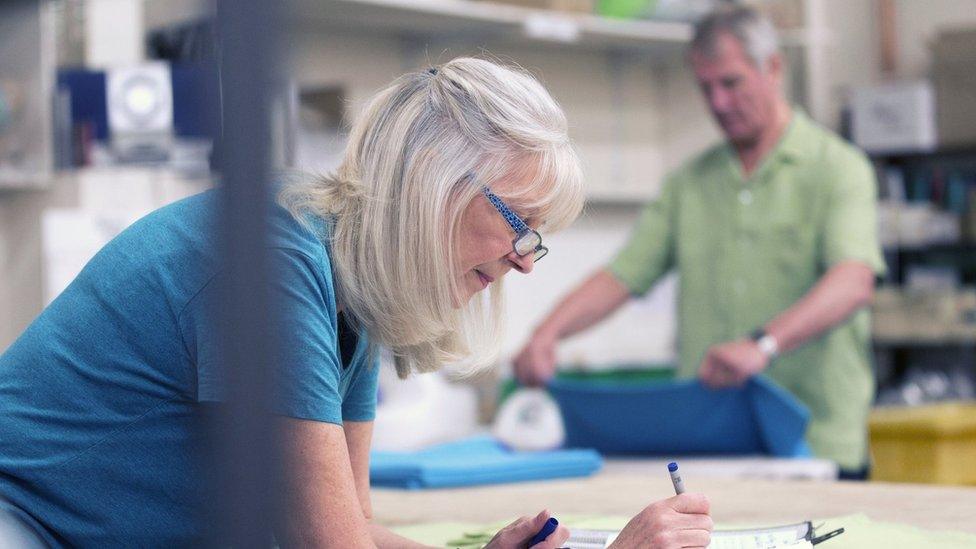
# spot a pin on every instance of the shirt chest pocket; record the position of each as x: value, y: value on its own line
x: 787, y: 248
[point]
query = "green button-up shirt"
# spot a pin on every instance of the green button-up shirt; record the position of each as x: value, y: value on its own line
x: 748, y: 248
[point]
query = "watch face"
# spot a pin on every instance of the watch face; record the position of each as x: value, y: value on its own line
x: 528, y: 242
x: 768, y: 345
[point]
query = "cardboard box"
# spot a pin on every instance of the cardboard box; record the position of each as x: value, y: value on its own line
x: 897, y: 117
x: 953, y: 60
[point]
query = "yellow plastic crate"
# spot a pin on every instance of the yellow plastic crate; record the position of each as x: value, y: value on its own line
x: 934, y: 444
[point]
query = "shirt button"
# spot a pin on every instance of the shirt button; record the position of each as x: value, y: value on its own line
x: 745, y: 197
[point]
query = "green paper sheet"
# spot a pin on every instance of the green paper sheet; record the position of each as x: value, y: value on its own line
x: 860, y: 532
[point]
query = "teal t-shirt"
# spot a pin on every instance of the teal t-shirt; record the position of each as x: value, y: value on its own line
x: 100, y: 397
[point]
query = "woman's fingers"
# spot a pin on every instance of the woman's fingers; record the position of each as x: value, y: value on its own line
x: 689, y: 503
x: 693, y: 538
x: 555, y: 539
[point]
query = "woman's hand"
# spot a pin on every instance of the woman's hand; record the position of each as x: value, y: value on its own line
x: 681, y: 521
x: 518, y: 534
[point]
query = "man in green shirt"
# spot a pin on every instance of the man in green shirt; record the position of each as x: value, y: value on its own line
x: 773, y: 234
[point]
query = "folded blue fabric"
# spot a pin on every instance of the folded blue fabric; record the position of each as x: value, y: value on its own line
x: 681, y: 418
x: 476, y: 460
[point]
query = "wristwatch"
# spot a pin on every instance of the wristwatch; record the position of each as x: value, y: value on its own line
x: 766, y: 343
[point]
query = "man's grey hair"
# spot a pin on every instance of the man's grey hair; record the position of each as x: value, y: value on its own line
x: 753, y: 30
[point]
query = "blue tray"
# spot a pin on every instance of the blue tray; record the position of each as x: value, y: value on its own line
x: 682, y: 418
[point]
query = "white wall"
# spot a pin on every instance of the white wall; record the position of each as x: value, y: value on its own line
x: 641, y: 332
x: 853, y: 50
x: 114, y: 33
x: 919, y: 21
x: 21, y: 259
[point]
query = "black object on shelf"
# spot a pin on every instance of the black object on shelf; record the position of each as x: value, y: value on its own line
x: 960, y: 256
x: 965, y: 154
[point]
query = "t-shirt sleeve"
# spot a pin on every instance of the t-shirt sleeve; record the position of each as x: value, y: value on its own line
x: 649, y: 252
x: 851, y: 221
x: 360, y: 401
x: 306, y: 375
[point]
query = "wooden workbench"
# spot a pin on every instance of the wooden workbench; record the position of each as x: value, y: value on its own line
x: 623, y: 493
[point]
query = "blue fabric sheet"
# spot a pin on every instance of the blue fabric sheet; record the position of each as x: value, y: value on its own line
x: 682, y: 418
x: 476, y: 460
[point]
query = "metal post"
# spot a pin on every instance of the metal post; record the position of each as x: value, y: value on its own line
x: 247, y: 54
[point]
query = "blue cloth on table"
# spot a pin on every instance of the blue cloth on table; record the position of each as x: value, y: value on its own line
x: 683, y: 417
x: 476, y: 460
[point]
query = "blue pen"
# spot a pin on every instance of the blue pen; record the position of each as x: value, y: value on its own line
x: 547, y: 528
x: 679, y: 487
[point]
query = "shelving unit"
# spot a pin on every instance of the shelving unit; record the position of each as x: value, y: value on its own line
x: 960, y: 255
x: 493, y: 22
x: 931, y: 337
x: 425, y: 28
x: 947, y: 179
x: 27, y: 64
x: 484, y: 20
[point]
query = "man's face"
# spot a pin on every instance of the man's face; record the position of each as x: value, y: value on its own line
x: 741, y: 97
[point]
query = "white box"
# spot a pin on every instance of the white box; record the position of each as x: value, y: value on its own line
x: 897, y: 117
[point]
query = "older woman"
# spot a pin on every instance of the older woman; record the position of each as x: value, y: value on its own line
x: 448, y: 175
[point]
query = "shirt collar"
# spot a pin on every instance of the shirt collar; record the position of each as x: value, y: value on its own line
x: 792, y: 145
x: 790, y: 148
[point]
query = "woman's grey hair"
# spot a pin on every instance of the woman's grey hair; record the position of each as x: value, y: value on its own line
x: 753, y: 30
x: 416, y: 158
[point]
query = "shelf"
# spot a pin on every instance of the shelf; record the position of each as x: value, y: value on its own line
x: 15, y: 181
x: 949, y: 153
x: 964, y: 249
x: 486, y: 21
x: 915, y: 340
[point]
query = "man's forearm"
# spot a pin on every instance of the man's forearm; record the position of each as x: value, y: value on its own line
x: 383, y: 538
x: 591, y: 302
x: 845, y: 288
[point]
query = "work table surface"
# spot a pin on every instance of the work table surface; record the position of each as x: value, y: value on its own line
x: 622, y: 492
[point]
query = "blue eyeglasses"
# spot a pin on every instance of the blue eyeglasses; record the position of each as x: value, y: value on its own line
x: 527, y: 240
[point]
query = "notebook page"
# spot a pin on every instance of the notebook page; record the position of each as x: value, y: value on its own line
x: 746, y: 540
x: 791, y: 536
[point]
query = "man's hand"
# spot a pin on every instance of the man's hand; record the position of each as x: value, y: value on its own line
x: 536, y: 362
x: 678, y: 522
x: 594, y: 300
x: 731, y: 364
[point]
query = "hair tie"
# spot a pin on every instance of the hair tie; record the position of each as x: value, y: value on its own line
x: 432, y: 71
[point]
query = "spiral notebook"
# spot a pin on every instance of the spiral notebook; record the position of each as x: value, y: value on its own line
x: 793, y: 536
